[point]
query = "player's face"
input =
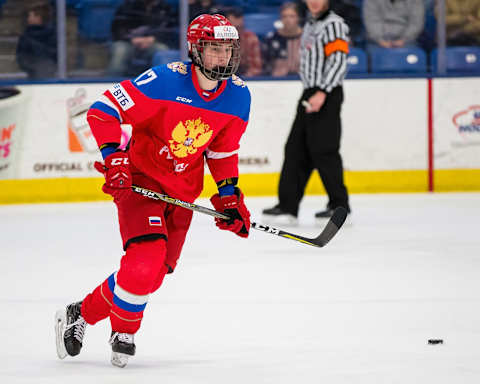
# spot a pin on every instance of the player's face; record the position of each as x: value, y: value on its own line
x: 289, y: 18
x: 317, y: 6
x: 216, y: 54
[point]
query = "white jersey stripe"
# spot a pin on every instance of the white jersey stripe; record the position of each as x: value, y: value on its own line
x: 130, y: 298
x: 105, y: 100
x: 219, y: 155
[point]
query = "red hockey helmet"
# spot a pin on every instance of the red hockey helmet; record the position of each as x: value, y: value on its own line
x: 208, y: 29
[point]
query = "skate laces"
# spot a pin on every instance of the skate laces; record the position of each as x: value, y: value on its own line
x: 122, y: 337
x: 78, y: 328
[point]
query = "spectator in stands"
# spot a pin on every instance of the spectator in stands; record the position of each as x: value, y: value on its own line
x: 37, y: 46
x: 282, y: 46
x: 199, y: 7
x: 463, y: 22
x: 251, y: 64
x: 138, y: 29
x: 393, y: 23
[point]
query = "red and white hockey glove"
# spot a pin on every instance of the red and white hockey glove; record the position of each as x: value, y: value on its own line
x: 233, y: 206
x: 118, y: 178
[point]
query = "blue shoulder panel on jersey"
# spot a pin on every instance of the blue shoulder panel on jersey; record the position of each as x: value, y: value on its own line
x: 153, y: 82
x: 105, y: 108
x: 173, y: 82
x: 236, y: 99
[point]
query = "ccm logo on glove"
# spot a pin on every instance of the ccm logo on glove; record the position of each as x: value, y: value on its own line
x: 118, y: 178
x: 119, y: 161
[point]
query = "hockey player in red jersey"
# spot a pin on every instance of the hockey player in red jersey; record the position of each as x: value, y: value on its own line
x: 182, y: 115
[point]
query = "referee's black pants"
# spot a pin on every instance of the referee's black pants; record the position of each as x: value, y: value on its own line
x: 314, y: 143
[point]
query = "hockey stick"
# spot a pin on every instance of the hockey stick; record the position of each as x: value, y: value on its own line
x: 332, y: 227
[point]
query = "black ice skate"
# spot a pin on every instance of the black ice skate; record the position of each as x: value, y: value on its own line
x: 322, y: 216
x: 122, y: 348
x: 326, y: 214
x: 276, y: 216
x: 69, y: 330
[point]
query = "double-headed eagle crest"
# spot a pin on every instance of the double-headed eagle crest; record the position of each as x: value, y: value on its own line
x: 189, y: 136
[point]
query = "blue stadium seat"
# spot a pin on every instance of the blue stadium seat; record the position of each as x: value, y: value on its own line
x: 260, y: 23
x: 174, y: 4
x: 459, y: 59
x: 245, y: 5
x: 72, y: 3
x: 95, y: 18
x: 165, y: 57
x: 398, y: 60
x: 233, y: 3
x: 269, y: 6
x: 271, y: 2
x: 357, y: 61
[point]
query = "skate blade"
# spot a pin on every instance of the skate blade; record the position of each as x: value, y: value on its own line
x: 60, y: 323
x: 119, y: 359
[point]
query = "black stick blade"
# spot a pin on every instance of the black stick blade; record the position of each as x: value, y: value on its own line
x: 330, y: 230
x: 332, y: 227
x: 339, y: 216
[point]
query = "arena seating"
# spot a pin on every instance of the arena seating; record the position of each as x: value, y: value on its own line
x: 357, y: 61
x: 459, y: 59
x: 165, y: 57
x: 398, y: 60
x: 95, y: 18
x: 261, y: 23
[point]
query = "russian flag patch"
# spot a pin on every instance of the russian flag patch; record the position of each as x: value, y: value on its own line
x: 155, y: 220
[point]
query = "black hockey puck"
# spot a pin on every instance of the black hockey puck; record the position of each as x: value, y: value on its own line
x: 435, y: 341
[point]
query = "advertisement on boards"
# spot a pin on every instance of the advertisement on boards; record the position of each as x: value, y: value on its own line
x: 456, y: 106
x: 12, y: 126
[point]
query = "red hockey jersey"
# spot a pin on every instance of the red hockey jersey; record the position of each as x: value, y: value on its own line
x: 176, y: 125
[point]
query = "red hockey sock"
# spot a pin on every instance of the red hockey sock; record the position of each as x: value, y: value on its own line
x: 139, y: 271
x: 97, y: 305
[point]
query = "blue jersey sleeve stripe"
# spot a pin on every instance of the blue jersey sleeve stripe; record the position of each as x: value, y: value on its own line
x: 106, y: 109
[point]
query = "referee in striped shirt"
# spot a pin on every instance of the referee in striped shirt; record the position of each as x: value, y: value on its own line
x: 314, y: 140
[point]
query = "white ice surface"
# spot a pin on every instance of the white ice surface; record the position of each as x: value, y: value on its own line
x: 261, y: 310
